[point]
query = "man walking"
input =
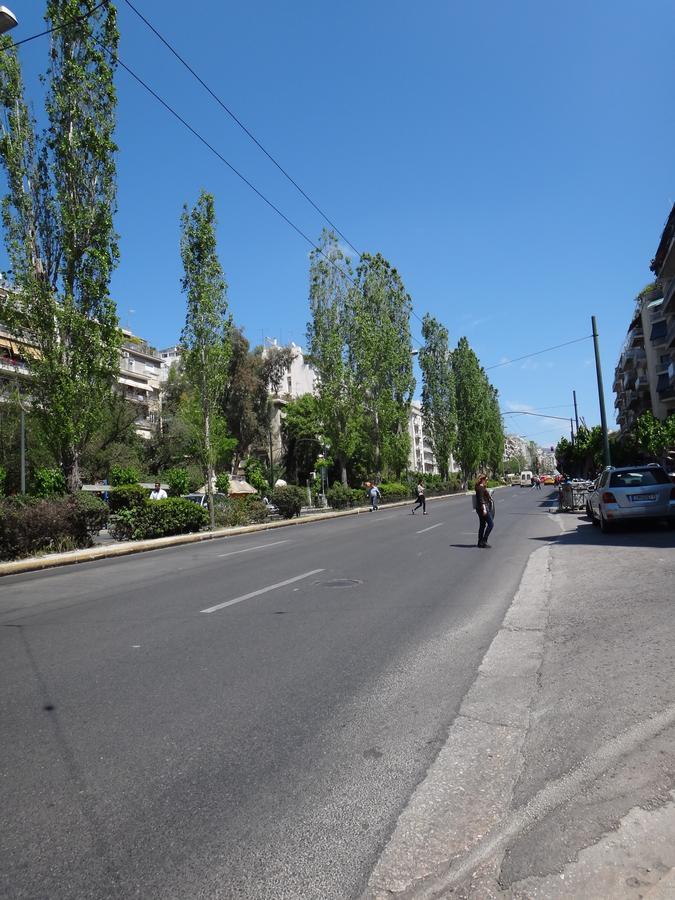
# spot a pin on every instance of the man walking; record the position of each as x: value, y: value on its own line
x: 374, y: 497
x: 421, y: 500
x: 484, y: 510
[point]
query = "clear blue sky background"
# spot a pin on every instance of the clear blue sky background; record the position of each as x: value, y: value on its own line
x: 514, y: 161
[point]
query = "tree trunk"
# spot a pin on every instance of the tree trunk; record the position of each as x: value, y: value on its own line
x: 71, y: 470
x: 209, y: 468
x: 343, y: 470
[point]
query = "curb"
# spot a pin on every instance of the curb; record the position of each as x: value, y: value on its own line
x: 127, y: 548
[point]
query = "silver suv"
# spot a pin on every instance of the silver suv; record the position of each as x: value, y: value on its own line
x: 631, y: 492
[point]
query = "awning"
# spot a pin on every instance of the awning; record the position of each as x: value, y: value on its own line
x: 139, y: 385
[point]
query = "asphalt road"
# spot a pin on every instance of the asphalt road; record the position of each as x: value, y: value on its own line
x: 152, y: 748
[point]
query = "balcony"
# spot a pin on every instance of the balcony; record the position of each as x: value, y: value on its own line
x: 15, y: 366
x: 665, y: 387
x: 629, y: 378
x: 642, y: 383
x: 636, y: 337
x: 669, y: 298
x: 658, y: 333
x: 670, y: 333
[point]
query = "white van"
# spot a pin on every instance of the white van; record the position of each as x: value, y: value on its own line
x: 526, y: 479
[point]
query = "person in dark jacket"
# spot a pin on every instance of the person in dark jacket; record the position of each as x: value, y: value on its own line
x: 484, y: 510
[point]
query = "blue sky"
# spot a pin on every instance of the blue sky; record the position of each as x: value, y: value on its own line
x: 514, y: 161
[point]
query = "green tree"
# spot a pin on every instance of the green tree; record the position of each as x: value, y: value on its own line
x: 58, y: 219
x: 206, y: 335
x: 470, y: 415
x: 301, y: 428
x: 339, y: 402
x: 380, y: 352
x: 438, y: 392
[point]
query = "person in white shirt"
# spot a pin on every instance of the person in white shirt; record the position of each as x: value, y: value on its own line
x: 159, y: 493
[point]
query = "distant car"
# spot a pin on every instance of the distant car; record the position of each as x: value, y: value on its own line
x: 631, y: 492
x: 547, y: 479
x: 526, y: 479
x: 203, y: 499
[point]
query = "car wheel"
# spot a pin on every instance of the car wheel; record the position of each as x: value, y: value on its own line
x: 589, y: 511
x: 605, y: 526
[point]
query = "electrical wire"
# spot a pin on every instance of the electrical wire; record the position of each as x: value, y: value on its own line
x: 243, y: 127
x: 72, y: 21
x: 538, y: 352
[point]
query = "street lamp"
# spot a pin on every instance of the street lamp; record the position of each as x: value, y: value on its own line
x: 7, y: 20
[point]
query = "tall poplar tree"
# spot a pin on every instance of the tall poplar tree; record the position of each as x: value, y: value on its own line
x: 206, y: 336
x: 58, y: 222
x: 339, y: 402
x: 471, y: 418
x: 438, y: 392
x: 380, y: 350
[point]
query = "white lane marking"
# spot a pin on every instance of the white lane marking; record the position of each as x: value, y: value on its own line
x: 257, y: 547
x: 437, y: 525
x: 265, y: 590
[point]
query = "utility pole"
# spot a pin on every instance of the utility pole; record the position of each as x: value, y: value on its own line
x: 601, y: 395
x: 23, y: 450
x: 576, y: 413
x: 572, y: 430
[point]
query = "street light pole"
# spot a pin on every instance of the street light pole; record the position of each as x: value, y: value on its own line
x: 601, y: 395
x: 23, y: 451
x: 7, y: 20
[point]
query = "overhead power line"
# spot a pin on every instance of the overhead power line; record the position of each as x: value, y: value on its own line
x: 538, y: 352
x: 243, y: 127
x: 72, y: 21
x: 539, y: 415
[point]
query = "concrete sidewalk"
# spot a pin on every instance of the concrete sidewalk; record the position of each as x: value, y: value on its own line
x: 558, y: 776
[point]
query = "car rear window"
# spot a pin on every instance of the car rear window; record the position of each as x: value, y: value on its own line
x: 638, y: 478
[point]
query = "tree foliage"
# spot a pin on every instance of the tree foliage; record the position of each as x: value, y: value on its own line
x: 58, y: 221
x: 206, y: 334
x: 438, y: 392
x: 380, y: 353
x: 480, y: 432
x: 340, y: 409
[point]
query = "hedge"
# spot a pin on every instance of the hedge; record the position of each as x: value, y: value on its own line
x: 158, y: 518
x: 341, y: 497
x: 30, y: 525
x: 394, y: 491
x: 127, y: 496
x: 241, y: 511
x: 289, y: 500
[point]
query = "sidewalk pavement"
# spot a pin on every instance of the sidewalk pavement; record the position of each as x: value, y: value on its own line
x: 557, y: 779
x: 111, y: 548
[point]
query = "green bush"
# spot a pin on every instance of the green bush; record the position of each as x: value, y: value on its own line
x: 340, y: 496
x: 158, y: 518
x: 394, y: 492
x: 178, y: 481
x: 127, y: 496
x: 49, y: 483
x: 120, y: 475
x: 223, y: 483
x: 30, y: 525
x: 255, y: 475
x: 288, y: 500
x: 3, y: 480
x: 89, y: 516
x: 241, y: 511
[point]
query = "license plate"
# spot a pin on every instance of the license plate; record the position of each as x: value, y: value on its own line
x: 641, y: 498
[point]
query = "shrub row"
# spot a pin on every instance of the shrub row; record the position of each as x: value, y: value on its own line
x: 241, y: 511
x: 157, y: 518
x: 289, y: 500
x: 30, y: 525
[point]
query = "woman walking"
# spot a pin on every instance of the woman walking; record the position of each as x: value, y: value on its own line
x: 421, y: 499
x: 484, y: 510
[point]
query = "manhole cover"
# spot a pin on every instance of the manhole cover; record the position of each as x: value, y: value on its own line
x: 339, y: 582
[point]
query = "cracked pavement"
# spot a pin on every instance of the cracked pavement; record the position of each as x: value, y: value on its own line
x: 558, y: 776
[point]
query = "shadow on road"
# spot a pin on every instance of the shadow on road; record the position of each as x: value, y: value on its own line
x: 635, y: 534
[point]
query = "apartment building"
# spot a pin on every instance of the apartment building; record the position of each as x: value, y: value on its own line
x: 140, y: 381
x: 421, y: 457
x: 644, y: 378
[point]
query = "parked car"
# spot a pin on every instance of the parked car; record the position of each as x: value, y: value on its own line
x: 631, y: 492
x: 203, y: 499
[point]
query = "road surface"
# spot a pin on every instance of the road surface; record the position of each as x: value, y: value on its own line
x: 244, y: 718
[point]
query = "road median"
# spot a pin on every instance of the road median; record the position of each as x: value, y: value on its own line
x: 127, y: 548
